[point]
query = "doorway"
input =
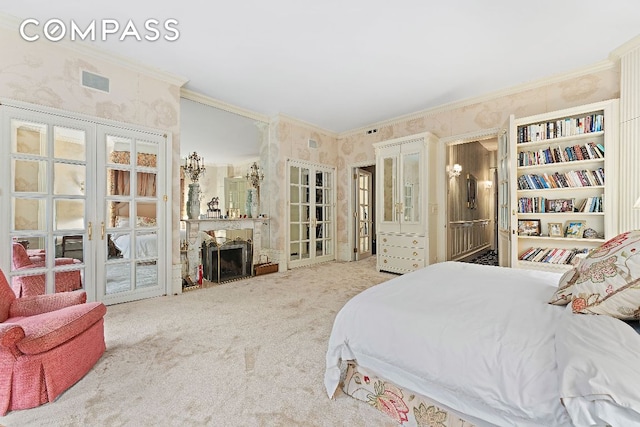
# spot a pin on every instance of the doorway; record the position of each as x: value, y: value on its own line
x: 363, y: 207
x: 470, y: 198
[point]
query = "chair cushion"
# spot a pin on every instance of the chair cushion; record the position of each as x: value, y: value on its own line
x: 6, y: 297
x: 48, y: 330
x: 19, y: 256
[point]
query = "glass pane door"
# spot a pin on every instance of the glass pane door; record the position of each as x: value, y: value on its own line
x: 311, y: 214
x: 364, y: 237
x: 131, y: 229
x: 50, y: 202
x: 504, y: 200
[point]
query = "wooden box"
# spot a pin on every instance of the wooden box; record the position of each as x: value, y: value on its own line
x: 265, y: 268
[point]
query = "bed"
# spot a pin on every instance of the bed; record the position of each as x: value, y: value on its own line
x: 480, y: 345
x: 146, y: 243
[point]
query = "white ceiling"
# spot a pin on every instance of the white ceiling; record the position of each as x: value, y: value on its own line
x: 346, y: 64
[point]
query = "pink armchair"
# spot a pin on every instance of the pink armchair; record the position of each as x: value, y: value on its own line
x: 24, y: 286
x: 47, y: 344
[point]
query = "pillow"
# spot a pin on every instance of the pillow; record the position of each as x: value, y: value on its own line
x: 145, y: 221
x: 609, y: 281
x: 122, y: 221
x: 564, y: 293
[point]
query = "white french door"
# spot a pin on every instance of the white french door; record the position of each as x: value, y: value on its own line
x: 59, y: 201
x: 311, y: 216
x: 132, y: 215
x: 363, y: 213
x: 504, y: 199
x: 49, y: 205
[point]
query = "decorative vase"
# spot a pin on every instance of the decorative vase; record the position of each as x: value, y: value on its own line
x: 247, y: 206
x: 255, y: 204
x: 193, y: 201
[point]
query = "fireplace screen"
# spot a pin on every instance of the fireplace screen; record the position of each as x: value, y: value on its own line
x: 228, y: 261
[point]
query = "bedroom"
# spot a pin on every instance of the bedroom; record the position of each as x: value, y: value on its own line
x: 156, y: 106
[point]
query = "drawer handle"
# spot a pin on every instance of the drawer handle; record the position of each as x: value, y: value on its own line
x: 385, y: 251
x: 385, y: 261
x: 415, y: 265
x: 415, y: 242
x: 415, y: 254
x: 384, y: 240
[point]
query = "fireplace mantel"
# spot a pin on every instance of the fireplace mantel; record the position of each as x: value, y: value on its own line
x: 194, y: 226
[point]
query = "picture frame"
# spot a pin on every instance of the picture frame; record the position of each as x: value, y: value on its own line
x: 528, y: 227
x: 472, y: 191
x: 574, y: 229
x: 556, y: 229
x: 560, y: 205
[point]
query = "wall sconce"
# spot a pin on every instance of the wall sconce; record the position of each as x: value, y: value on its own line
x: 454, y: 171
x: 194, y: 166
x: 488, y: 185
x: 255, y: 175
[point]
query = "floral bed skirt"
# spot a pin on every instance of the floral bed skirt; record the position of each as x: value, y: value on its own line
x: 404, y: 406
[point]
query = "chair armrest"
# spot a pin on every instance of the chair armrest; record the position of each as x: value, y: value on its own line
x: 38, y: 304
x: 10, y: 335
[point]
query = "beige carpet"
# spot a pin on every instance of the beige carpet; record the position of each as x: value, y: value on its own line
x: 245, y: 353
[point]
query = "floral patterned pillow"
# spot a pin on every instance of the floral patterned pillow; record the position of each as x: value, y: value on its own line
x: 145, y: 221
x: 564, y: 293
x: 609, y: 281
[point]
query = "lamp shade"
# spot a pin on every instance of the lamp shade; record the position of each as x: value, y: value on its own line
x: 636, y: 205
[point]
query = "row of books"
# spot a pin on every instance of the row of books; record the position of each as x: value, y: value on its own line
x: 559, y: 128
x: 544, y: 205
x: 591, y: 204
x: 551, y: 255
x: 588, y: 151
x: 576, y: 178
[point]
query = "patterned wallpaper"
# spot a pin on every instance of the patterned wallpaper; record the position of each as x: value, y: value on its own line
x: 357, y: 147
x: 47, y: 74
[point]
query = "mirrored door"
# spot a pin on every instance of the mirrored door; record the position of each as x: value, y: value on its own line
x: 364, y: 211
x: 51, y: 202
x: 84, y: 207
x: 311, y: 214
x: 130, y: 215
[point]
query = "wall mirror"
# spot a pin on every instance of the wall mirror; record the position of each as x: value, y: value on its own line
x: 230, y: 143
x: 472, y: 192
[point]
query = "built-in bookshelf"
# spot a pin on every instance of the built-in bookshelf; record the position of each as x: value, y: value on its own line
x: 562, y: 204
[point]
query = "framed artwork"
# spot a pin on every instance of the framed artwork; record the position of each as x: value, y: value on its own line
x: 528, y: 227
x: 574, y: 229
x: 560, y: 205
x: 556, y: 229
x: 472, y: 191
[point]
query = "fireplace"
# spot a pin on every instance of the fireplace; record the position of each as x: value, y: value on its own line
x: 231, y: 260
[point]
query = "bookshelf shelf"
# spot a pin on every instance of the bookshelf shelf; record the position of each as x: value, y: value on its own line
x: 559, y: 140
x: 564, y: 164
x: 576, y: 164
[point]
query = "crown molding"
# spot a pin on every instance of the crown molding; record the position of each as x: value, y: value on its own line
x: 625, y: 48
x: 304, y: 124
x: 534, y: 84
x: 12, y: 23
x: 480, y: 135
x: 207, y: 100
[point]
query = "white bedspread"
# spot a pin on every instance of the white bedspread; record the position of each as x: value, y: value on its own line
x: 478, y: 339
x: 146, y: 245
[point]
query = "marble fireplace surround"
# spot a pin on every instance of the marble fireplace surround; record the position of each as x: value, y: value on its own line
x: 194, y: 240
